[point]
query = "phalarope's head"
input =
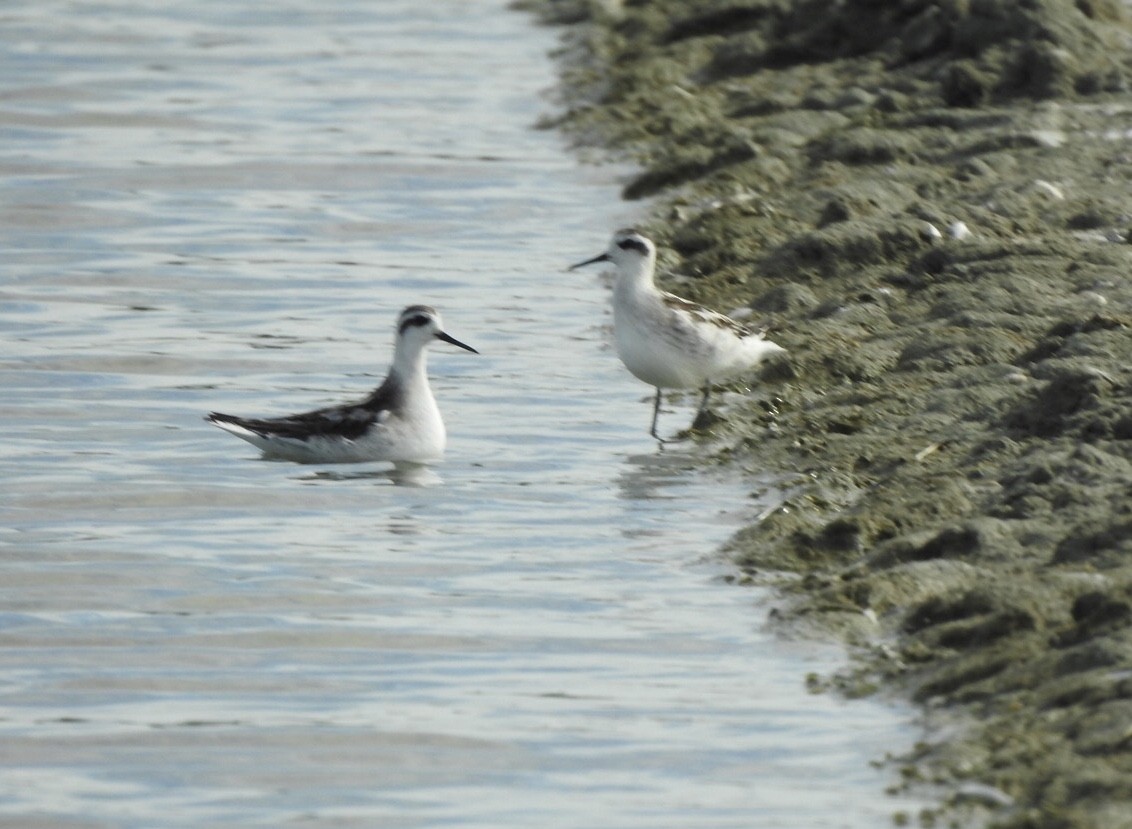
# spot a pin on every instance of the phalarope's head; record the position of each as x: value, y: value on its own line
x: 419, y: 325
x: 629, y: 248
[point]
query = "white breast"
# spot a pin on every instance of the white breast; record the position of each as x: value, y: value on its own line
x: 416, y: 434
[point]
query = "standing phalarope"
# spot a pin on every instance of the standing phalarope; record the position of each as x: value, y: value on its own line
x: 398, y: 422
x: 669, y: 342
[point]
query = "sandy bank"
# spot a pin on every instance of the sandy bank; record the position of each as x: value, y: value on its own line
x: 929, y: 203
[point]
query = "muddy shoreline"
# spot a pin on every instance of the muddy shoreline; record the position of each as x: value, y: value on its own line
x: 929, y: 204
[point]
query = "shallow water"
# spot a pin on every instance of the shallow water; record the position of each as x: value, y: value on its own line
x: 224, y: 206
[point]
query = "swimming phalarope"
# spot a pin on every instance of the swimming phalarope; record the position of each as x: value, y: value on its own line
x: 669, y: 342
x: 398, y: 422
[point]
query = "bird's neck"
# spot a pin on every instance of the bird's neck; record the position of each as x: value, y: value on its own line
x: 410, y: 363
x: 638, y: 277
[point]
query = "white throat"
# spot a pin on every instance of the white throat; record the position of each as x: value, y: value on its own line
x: 636, y: 275
x: 410, y: 360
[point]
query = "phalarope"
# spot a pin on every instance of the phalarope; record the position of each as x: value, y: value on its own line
x: 669, y: 342
x: 398, y: 422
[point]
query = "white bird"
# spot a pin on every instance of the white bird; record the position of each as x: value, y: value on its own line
x: 398, y: 422
x: 669, y: 342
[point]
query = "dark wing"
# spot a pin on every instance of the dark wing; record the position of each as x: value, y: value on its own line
x: 349, y: 422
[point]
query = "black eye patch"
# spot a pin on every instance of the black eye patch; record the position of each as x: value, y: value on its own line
x: 415, y: 321
x: 634, y: 244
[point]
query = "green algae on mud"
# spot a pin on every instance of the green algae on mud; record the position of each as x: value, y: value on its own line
x: 929, y: 203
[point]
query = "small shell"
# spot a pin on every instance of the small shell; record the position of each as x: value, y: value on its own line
x: 1094, y: 298
x: 930, y: 232
x: 983, y: 794
x: 958, y: 230
x: 1050, y: 191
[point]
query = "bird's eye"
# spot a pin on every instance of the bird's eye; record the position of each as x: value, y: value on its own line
x: 633, y: 244
x: 415, y: 321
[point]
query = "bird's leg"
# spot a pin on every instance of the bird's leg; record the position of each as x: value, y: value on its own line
x: 704, y: 419
x: 703, y: 401
x: 655, y: 415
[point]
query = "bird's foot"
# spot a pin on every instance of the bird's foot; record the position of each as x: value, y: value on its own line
x: 705, y: 419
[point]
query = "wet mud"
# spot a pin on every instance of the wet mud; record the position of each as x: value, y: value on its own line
x: 929, y: 204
